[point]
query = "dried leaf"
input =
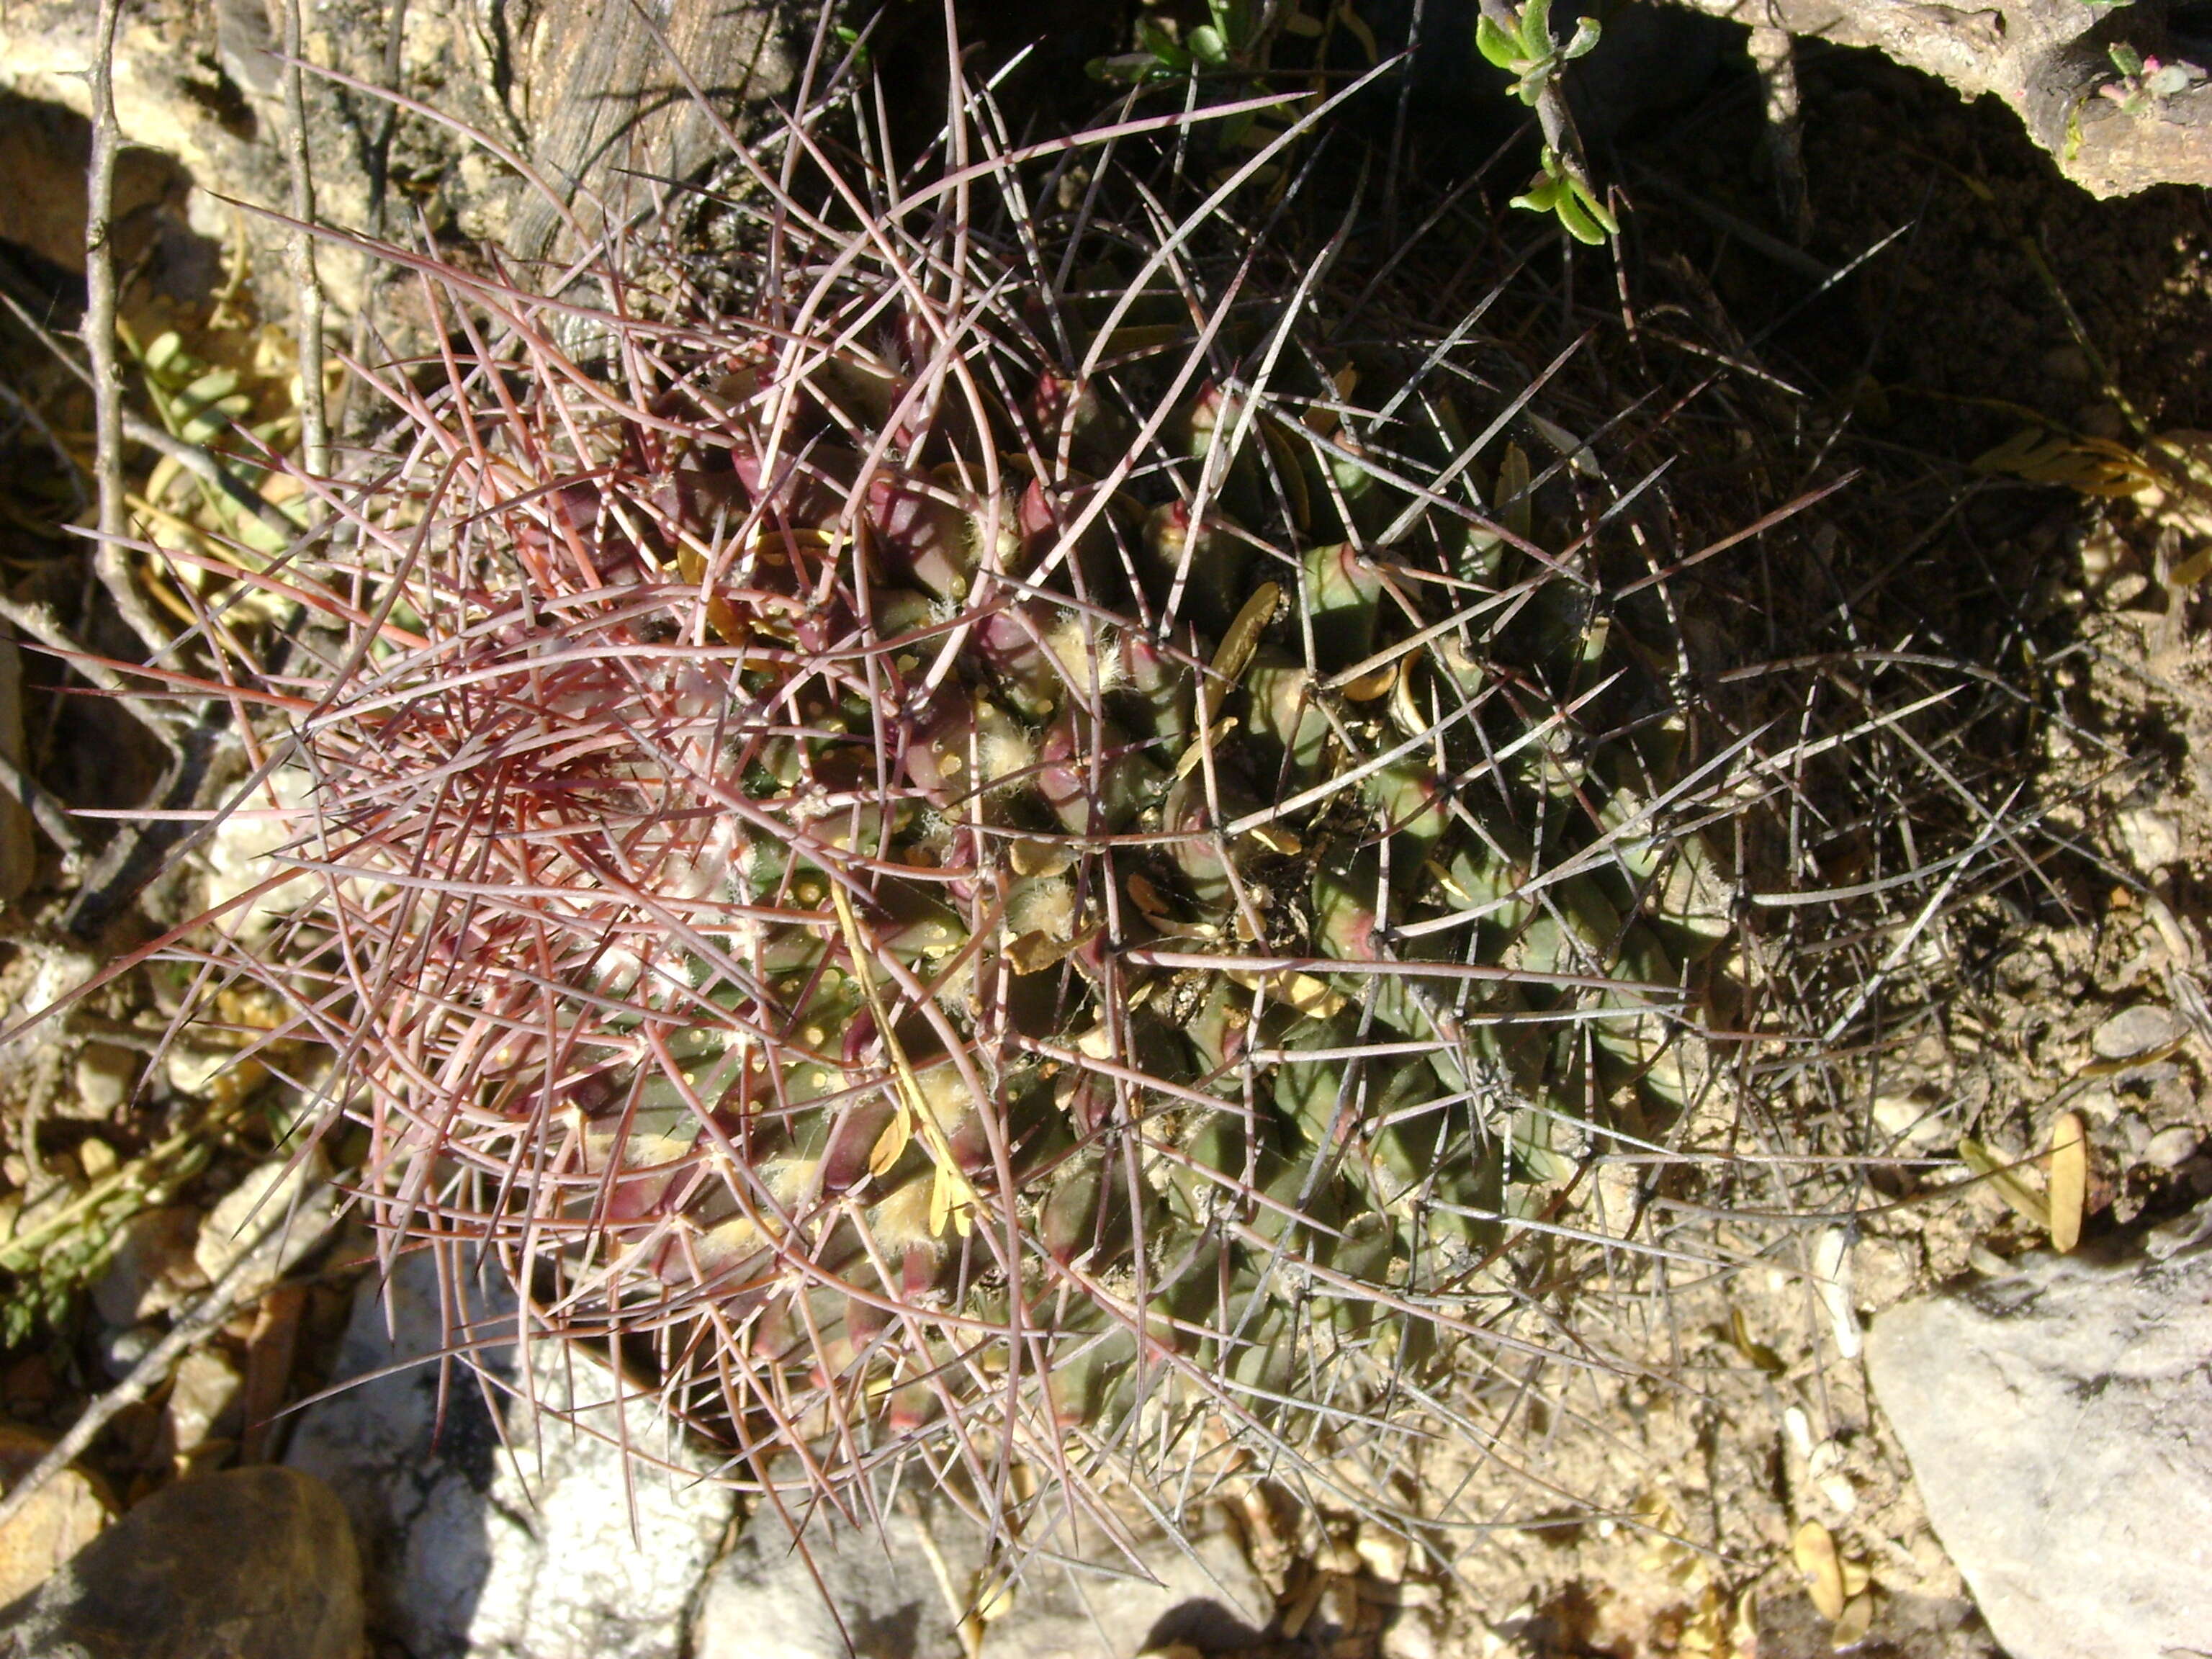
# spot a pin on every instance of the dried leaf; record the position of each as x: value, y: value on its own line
x: 1814, y: 1549
x: 1243, y: 638
x: 1852, y: 1623
x: 1040, y: 858
x: 1368, y: 687
x: 1210, y: 739
x: 1513, y: 499
x: 1036, y: 951
x: 1146, y: 898
x: 2094, y: 466
x: 1302, y: 992
x: 2025, y: 1200
x: 1756, y: 1352
x: 891, y: 1145
x: 2069, y: 1181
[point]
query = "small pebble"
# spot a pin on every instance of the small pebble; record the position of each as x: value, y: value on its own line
x: 204, y: 1398
x: 1384, y: 1552
x: 2132, y: 1032
x: 106, y: 1073
x: 194, y: 1071
x: 120, y: 1351
x: 1412, y: 1635
x: 1913, y: 1121
x: 2169, y: 1149
x: 96, y: 1158
x: 2151, y: 840
x: 2126, y: 588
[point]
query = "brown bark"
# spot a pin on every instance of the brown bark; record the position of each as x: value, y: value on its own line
x: 2046, y: 59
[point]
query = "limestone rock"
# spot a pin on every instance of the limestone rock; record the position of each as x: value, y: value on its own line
x: 765, y: 1602
x: 285, y: 1192
x: 2059, y: 1425
x: 522, y: 1536
x: 2134, y: 1033
x: 63, y: 1516
x: 253, y: 1563
x: 153, y: 1268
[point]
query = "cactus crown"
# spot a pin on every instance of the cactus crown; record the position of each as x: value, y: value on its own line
x: 1017, y: 829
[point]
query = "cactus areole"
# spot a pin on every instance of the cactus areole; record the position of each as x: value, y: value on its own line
x: 1028, y: 832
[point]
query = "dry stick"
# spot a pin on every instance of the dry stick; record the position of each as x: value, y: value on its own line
x: 98, y: 329
x: 275, y: 1249
x: 299, y: 252
x: 46, y: 811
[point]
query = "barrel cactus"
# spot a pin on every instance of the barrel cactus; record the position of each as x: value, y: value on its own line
x: 1030, y: 834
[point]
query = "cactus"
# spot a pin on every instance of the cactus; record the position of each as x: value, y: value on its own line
x: 964, y: 860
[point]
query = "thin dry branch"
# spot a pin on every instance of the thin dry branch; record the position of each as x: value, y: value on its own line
x: 278, y: 1245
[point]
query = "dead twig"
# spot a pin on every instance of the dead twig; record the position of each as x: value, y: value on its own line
x: 98, y: 328
x: 299, y: 252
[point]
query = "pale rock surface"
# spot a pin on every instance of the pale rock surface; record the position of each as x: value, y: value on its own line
x: 251, y: 1563
x: 764, y: 1601
x: 155, y: 1267
x: 63, y: 1516
x: 2059, y: 1424
x: 541, y: 1548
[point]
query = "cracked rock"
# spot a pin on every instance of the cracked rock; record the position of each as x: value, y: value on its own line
x: 545, y: 1546
x: 883, y: 1590
x: 2059, y: 1425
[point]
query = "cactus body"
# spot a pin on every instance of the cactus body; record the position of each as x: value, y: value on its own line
x: 866, y: 899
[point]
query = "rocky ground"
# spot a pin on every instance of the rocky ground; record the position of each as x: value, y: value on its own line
x: 1890, y: 1420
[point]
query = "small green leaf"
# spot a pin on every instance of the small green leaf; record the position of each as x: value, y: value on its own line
x: 2125, y: 57
x: 1500, y: 49
x: 1536, y: 30
x: 1207, y: 45
x: 1542, y: 196
x: 1161, y: 45
x: 1577, y: 221
x: 1586, y: 30
x: 1590, y: 203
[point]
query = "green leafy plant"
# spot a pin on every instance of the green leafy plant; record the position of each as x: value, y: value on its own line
x: 2145, y: 82
x: 1520, y: 41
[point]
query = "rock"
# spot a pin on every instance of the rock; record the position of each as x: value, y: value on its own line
x: 2169, y: 1149
x: 764, y: 1603
x: 1411, y: 1635
x: 253, y: 1563
x: 204, y: 1400
x: 1383, y: 1551
x: 2136, y: 1032
x: 549, y: 1550
x: 239, y: 854
x: 155, y: 1267
x: 1913, y: 1121
x: 2151, y: 840
x: 2059, y: 1421
x: 106, y: 1073
x: 63, y: 1516
x: 285, y: 1192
